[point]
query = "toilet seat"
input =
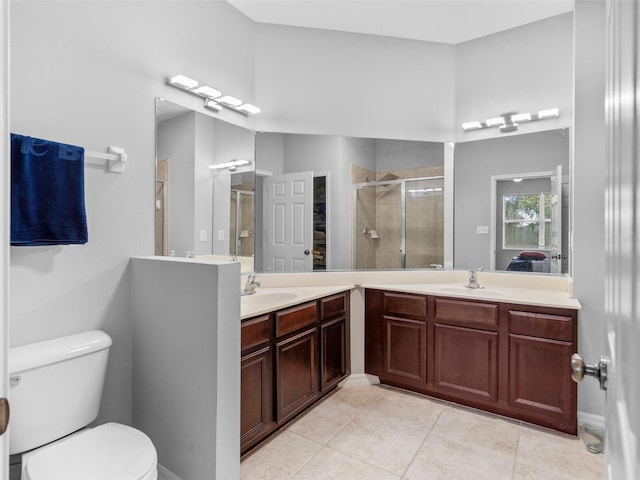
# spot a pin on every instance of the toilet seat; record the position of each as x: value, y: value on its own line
x: 109, y: 452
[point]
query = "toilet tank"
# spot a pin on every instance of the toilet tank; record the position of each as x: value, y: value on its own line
x: 55, y: 387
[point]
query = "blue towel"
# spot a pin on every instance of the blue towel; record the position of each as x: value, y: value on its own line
x: 47, y: 193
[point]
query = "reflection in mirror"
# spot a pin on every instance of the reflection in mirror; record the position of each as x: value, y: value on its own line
x: 195, y: 214
x: 512, y: 203
x: 396, y: 210
x: 399, y: 223
x: 241, y: 236
x: 335, y: 202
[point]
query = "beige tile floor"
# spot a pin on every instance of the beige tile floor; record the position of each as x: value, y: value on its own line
x: 381, y: 433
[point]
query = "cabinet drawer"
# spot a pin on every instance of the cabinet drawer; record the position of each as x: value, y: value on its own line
x: 255, y: 331
x: 295, y: 318
x: 557, y: 327
x: 405, y: 304
x: 333, y: 306
x: 462, y: 312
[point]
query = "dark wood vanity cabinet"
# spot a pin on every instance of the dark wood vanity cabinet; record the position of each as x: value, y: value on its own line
x: 540, y: 386
x: 290, y: 359
x: 465, y: 349
x: 296, y: 359
x: 335, y: 359
x: 256, y: 381
x: 509, y: 359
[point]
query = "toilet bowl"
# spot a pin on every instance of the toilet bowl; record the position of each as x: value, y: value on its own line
x: 109, y: 452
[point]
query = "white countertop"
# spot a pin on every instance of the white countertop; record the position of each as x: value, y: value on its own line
x: 525, y: 296
x: 267, y: 300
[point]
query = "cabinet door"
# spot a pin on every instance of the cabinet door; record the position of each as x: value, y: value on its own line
x: 256, y: 398
x: 334, y: 359
x: 296, y: 373
x: 405, y: 350
x: 466, y: 363
x: 540, y: 384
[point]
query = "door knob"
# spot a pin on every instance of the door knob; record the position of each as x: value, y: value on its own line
x: 306, y: 252
x: 4, y: 415
x: 579, y: 369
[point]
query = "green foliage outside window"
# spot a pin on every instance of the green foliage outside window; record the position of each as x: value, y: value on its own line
x: 524, y: 219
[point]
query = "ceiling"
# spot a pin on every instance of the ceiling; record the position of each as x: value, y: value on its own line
x: 444, y: 21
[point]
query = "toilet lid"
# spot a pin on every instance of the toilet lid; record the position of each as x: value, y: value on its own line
x: 109, y: 452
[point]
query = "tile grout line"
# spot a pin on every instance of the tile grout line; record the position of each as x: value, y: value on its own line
x: 428, y: 434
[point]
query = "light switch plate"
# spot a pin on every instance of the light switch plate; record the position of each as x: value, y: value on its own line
x: 483, y: 229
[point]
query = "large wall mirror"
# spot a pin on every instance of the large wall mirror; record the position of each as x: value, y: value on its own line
x: 204, y: 186
x: 358, y: 203
x: 336, y: 203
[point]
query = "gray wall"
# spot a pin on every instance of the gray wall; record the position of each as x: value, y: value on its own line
x: 394, y: 154
x: 176, y: 143
x: 327, y: 82
x: 475, y: 162
x: 186, y: 368
x: 588, y: 193
x: 525, y: 69
x: 87, y: 73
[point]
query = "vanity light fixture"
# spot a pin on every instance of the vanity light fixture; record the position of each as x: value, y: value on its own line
x: 207, y: 91
x: 229, y: 100
x: 212, y: 105
x: 232, y: 164
x: 250, y: 109
x: 213, y: 98
x: 495, y: 122
x: 551, y: 113
x: 425, y: 190
x: 183, y: 82
x: 508, y: 122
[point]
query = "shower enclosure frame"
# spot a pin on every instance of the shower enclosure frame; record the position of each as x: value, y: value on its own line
x: 403, y: 215
x: 237, y: 219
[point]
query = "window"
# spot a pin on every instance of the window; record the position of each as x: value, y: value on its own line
x: 526, y: 221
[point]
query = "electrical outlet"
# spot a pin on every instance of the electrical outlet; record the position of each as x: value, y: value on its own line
x: 203, y: 235
x: 483, y: 229
x: 221, y: 235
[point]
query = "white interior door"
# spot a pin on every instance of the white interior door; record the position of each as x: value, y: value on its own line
x: 288, y: 216
x: 556, y: 221
x: 622, y: 250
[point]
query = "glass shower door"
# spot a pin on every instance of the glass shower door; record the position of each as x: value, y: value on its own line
x: 424, y: 234
x: 379, y: 240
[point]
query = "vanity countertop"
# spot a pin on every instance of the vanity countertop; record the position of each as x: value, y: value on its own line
x: 525, y: 296
x: 267, y: 299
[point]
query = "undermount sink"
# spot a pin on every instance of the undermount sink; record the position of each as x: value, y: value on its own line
x: 264, y: 297
x: 470, y: 291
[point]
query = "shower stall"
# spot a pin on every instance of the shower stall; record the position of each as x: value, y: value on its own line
x: 241, y: 236
x: 399, y: 223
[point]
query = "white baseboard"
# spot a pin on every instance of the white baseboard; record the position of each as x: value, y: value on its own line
x: 165, y: 474
x: 358, y: 379
x: 590, y: 419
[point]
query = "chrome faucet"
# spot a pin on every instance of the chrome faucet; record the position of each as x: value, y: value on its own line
x: 473, y: 278
x: 251, y: 285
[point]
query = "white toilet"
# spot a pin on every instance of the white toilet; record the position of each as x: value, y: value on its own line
x: 55, y: 391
